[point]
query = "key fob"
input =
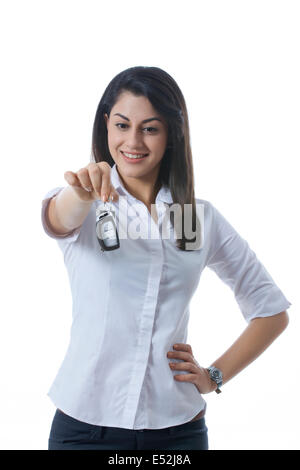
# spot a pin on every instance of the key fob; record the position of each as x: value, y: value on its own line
x: 106, y: 229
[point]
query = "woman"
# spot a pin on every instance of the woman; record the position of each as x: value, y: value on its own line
x: 129, y: 380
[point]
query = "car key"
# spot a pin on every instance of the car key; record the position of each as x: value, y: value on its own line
x: 106, y: 229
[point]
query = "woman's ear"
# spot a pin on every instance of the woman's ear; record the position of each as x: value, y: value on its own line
x: 106, y: 118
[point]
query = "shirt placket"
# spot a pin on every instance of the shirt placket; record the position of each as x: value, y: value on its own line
x: 147, y: 317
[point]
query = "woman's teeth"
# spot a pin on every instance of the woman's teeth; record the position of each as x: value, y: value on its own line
x: 129, y: 155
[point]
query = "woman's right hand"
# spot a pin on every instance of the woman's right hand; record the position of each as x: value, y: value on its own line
x: 92, y: 182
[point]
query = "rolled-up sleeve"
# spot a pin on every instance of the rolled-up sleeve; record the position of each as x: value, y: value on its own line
x: 236, y: 264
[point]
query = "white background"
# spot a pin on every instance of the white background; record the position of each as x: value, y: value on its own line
x: 237, y: 64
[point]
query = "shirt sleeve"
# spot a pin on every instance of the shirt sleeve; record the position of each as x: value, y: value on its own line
x: 72, y: 235
x: 237, y: 265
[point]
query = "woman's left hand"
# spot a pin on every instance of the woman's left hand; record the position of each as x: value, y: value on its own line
x: 198, y: 376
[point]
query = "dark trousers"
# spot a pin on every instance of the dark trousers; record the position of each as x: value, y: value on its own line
x: 68, y: 433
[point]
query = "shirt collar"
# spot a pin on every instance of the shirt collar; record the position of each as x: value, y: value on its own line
x: 164, y: 194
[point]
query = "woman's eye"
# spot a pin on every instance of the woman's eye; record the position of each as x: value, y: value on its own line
x: 153, y: 128
x: 122, y: 124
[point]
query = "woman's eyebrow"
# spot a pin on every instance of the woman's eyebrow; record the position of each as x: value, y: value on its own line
x: 143, y: 122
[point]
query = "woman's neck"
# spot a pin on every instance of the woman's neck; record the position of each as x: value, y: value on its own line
x: 143, y: 189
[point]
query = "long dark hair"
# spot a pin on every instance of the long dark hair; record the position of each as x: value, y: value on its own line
x: 176, y: 169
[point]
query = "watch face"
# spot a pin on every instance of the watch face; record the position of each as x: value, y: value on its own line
x: 216, y: 374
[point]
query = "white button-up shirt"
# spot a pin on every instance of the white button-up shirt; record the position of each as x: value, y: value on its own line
x: 131, y: 305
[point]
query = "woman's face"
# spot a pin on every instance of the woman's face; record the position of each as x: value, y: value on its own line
x: 128, y: 133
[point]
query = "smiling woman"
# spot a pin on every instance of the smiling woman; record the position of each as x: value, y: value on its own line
x: 137, y: 153
x: 149, y: 157
x: 116, y: 388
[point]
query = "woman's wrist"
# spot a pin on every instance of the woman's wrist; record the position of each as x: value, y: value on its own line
x: 212, y: 383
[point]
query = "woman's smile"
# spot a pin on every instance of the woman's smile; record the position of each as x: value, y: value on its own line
x: 133, y: 158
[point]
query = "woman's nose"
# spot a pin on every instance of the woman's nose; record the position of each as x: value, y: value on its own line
x: 134, y: 139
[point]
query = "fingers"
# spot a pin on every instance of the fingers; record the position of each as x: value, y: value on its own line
x: 95, y: 179
x: 108, y: 192
x: 71, y: 178
x: 85, y: 176
x: 187, y: 366
x: 114, y: 195
x: 183, y: 347
x: 179, y: 355
x: 105, y: 187
x: 94, y: 176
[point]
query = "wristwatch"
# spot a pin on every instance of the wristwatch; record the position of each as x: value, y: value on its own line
x: 217, y: 376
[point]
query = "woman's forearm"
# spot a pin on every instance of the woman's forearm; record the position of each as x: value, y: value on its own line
x: 66, y: 211
x: 258, y: 335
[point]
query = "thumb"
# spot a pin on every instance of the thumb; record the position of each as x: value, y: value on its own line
x: 114, y: 195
